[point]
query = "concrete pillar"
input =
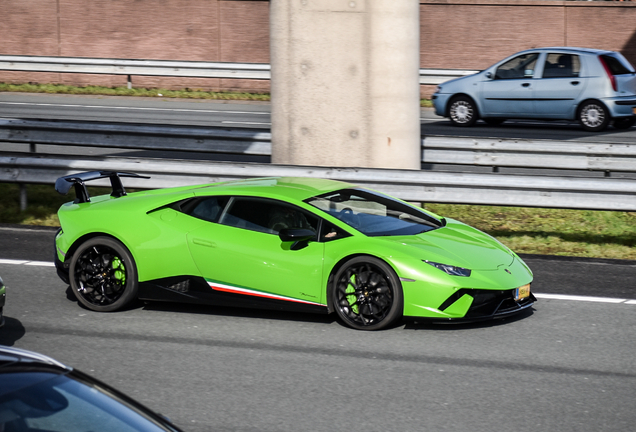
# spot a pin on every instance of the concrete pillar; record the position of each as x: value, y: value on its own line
x: 345, y: 83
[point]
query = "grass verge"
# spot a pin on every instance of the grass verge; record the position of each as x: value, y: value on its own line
x: 142, y: 92
x: 584, y: 233
x: 594, y: 234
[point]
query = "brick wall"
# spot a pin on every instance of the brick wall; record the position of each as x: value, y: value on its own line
x: 456, y: 34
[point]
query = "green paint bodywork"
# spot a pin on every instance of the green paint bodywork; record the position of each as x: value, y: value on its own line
x: 165, y: 242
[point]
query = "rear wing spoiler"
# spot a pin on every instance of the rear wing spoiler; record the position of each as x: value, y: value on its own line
x: 64, y: 184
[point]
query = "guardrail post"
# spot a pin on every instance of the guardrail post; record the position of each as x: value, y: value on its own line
x: 23, y: 197
x: 129, y: 82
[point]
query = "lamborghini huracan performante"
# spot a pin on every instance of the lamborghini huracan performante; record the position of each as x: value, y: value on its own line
x: 283, y: 243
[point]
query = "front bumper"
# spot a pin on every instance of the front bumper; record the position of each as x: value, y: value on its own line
x: 439, y: 103
x: 484, y: 305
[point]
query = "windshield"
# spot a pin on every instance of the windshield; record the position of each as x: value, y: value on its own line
x: 50, y: 402
x: 374, y: 214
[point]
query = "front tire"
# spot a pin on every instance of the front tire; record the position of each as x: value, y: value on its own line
x: 367, y: 294
x: 624, y: 122
x: 103, y: 275
x: 463, y: 111
x: 593, y: 116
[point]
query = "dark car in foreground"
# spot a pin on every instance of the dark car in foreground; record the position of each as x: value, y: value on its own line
x: 3, y: 296
x: 593, y: 87
x: 40, y: 394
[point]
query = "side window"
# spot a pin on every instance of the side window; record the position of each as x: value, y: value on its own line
x: 208, y: 208
x: 266, y: 215
x: 561, y: 65
x: 519, y: 67
x: 331, y: 232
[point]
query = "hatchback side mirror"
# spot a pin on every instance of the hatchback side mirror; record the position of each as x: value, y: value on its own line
x: 489, y: 75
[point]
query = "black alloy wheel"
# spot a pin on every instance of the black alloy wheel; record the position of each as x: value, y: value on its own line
x: 367, y: 294
x: 103, y: 275
x: 593, y: 116
x: 624, y: 122
x: 462, y: 111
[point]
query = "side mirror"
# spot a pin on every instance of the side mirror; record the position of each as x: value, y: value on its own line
x: 300, y: 236
x: 489, y: 75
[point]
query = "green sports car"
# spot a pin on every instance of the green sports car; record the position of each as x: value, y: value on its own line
x: 283, y: 243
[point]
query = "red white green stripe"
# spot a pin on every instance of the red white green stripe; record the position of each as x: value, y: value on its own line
x: 246, y: 291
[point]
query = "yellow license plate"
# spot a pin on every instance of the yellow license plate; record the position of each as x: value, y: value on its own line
x: 522, y: 292
x: 634, y: 110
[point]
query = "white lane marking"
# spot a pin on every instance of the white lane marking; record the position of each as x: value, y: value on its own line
x: 28, y: 263
x: 539, y: 296
x: 583, y: 298
x: 8, y: 261
x: 34, y: 229
x: 137, y: 108
x: 40, y: 263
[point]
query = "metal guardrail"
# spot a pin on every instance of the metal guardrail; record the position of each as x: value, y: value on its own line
x: 411, y: 185
x: 492, y: 189
x: 184, y: 69
x: 485, y: 152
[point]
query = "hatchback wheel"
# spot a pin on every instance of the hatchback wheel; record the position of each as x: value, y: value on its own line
x: 625, y: 122
x: 593, y: 116
x: 462, y: 111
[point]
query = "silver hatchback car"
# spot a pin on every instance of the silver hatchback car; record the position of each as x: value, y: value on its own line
x: 594, y: 87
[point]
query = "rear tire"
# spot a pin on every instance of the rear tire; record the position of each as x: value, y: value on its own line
x: 103, y: 275
x: 624, y: 122
x: 462, y: 111
x: 593, y: 116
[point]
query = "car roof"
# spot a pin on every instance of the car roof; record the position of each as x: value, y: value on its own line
x: 569, y: 49
x: 299, y: 188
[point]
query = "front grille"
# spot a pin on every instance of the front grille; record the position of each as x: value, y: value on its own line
x: 489, y: 303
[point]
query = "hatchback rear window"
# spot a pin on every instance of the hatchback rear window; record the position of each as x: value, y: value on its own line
x: 616, y: 66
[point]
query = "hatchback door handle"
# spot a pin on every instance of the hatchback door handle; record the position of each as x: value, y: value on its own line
x: 574, y: 83
x: 526, y: 84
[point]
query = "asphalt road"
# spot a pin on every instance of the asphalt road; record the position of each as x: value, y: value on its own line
x: 567, y: 365
x: 257, y: 115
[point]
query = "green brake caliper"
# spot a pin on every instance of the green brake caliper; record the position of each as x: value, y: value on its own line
x: 351, y: 294
x: 120, y: 270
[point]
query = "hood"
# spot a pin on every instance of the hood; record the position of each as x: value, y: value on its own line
x: 461, y: 80
x: 457, y: 244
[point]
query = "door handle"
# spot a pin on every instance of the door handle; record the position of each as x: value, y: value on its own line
x: 525, y: 85
x: 202, y: 242
x: 574, y: 83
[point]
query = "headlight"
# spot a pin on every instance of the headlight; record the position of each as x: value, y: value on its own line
x: 449, y: 269
x: 438, y: 89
